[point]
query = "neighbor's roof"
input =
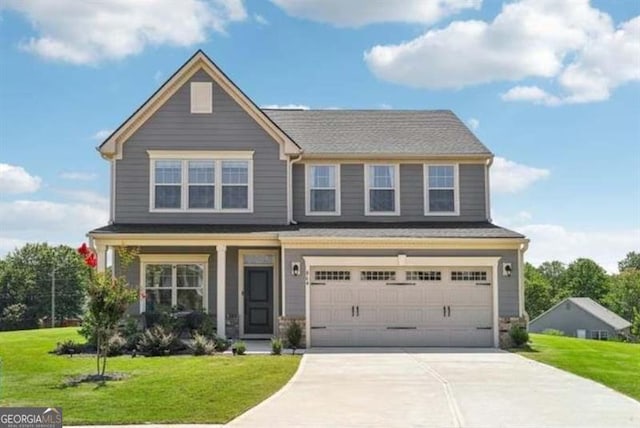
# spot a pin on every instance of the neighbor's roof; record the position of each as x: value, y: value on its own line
x: 329, y: 230
x: 400, y: 132
x: 599, y: 311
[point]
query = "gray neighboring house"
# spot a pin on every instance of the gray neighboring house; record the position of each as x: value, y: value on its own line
x: 581, y: 317
x: 369, y: 227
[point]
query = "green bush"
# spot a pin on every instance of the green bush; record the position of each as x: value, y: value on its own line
x: 519, y: 335
x: 240, y: 347
x: 294, y: 335
x: 116, y: 345
x: 276, y: 346
x: 158, y: 341
x: 222, y: 344
x: 69, y: 347
x: 202, y: 345
x: 552, y: 332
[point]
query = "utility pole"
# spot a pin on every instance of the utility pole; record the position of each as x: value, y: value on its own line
x: 53, y: 298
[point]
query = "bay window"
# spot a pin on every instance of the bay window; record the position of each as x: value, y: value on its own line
x: 441, y: 190
x: 323, y: 190
x: 382, y: 195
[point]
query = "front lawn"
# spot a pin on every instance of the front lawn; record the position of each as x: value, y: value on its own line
x: 176, y: 389
x: 614, y: 364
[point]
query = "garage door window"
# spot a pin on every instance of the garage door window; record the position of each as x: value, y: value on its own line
x: 423, y: 275
x: 377, y: 275
x: 468, y: 275
x: 332, y: 275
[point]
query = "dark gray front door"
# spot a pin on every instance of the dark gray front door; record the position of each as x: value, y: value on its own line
x: 258, y: 300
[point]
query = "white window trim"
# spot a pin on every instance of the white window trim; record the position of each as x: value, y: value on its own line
x: 307, y: 191
x: 174, y: 259
x: 396, y: 189
x: 184, y: 157
x: 456, y: 190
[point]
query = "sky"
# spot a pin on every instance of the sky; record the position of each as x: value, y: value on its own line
x: 551, y: 87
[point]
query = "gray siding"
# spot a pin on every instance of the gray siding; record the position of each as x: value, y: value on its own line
x: 508, y: 304
x: 173, y: 127
x: 568, y: 318
x: 472, y: 195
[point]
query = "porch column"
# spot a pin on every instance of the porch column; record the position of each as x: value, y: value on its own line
x: 101, y: 255
x: 221, y: 283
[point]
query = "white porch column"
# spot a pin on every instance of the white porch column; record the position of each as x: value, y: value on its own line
x: 221, y: 282
x: 101, y: 255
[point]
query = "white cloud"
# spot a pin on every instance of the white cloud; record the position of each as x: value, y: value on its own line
x: 511, y: 177
x: 569, y: 43
x: 15, y: 179
x: 78, y: 175
x: 88, y: 32
x: 102, y: 134
x: 260, y: 19
x: 86, y: 197
x: 8, y: 245
x: 473, y: 123
x: 357, y: 13
x: 285, y: 106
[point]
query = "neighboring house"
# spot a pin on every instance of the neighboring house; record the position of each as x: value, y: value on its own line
x: 368, y: 227
x: 581, y: 317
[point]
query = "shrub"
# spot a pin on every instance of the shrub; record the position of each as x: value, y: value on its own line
x: 240, y: 347
x: 552, y: 332
x: 68, y: 347
x: 157, y: 341
x: 14, y: 317
x: 294, y: 335
x: 116, y: 345
x: 276, y: 346
x: 202, y: 345
x: 222, y: 344
x: 519, y: 335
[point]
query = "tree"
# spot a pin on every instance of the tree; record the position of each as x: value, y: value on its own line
x: 537, y: 290
x: 585, y: 278
x: 554, y: 273
x: 624, y: 293
x: 25, y: 284
x: 631, y: 261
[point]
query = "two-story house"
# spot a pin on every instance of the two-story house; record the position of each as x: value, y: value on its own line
x: 372, y: 228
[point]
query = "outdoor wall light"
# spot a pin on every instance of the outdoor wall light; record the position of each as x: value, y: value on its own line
x: 506, y: 269
x: 295, y: 268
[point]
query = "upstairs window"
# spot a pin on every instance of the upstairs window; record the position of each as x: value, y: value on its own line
x: 441, y: 196
x: 323, y: 194
x: 201, y: 97
x: 382, y: 196
x: 209, y: 181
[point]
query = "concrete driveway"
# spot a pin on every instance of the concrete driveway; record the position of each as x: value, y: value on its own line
x: 438, y: 388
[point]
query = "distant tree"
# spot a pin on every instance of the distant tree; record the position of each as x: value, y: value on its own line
x: 554, y: 272
x: 585, y: 278
x: 624, y: 293
x: 631, y: 261
x: 25, y: 284
x: 537, y: 290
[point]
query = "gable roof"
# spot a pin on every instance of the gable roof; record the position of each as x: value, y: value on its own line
x: 594, y: 308
x: 379, y: 132
x: 112, y: 145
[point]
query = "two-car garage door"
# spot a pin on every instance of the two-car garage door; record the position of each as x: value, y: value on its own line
x: 434, y: 306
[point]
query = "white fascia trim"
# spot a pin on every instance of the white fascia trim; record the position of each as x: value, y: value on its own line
x: 396, y: 190
x: 456, y: 190
x: 307, y: 190
x: 399, y: 261
x: 112, y: 193
x: 487, y: 187
x: 201, y: 154
x: 162, y: 258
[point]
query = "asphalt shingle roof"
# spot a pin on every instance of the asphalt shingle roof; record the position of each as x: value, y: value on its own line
x: 399, y: 132
x: 599, y: 311
x: 364, y: 230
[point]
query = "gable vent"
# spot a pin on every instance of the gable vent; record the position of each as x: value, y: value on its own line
x: 201, y: 97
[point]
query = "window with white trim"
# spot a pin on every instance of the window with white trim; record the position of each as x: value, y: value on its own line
x: 377, y: 275
x: 466, y: 275
x: 179, y: 286
x: 332, y: 275
x: 600, y: 334
x: 423, y: 275
x: 201, y: 183
x: 381, y: 182
x: 323, y: 193
x: 441, y: 189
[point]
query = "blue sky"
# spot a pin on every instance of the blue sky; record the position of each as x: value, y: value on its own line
x: 552, y: 88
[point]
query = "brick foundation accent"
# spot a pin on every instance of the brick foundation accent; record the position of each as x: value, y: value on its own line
x: 505, y: 324
x: 283, y: 325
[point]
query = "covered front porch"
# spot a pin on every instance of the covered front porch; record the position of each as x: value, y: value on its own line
x: 237, y: 281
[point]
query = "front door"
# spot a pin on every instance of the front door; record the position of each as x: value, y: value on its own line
x: 258, y: 300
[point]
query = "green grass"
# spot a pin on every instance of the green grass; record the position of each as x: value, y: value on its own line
x: 614, y: 364
x: 177, y: 389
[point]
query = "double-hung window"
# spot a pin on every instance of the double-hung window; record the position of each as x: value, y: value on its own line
x: 441, y: 190
x: 323, y: 190
x: 201, y: 181
x: 382, y: 196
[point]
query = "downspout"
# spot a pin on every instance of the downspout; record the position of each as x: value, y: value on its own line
x: 487, y: 188
x: 290, y: 163
x: 521, y: 250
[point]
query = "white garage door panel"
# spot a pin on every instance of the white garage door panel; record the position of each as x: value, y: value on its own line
x: 400, y: 312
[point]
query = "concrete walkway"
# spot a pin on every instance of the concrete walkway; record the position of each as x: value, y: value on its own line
x: 438, y: 388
